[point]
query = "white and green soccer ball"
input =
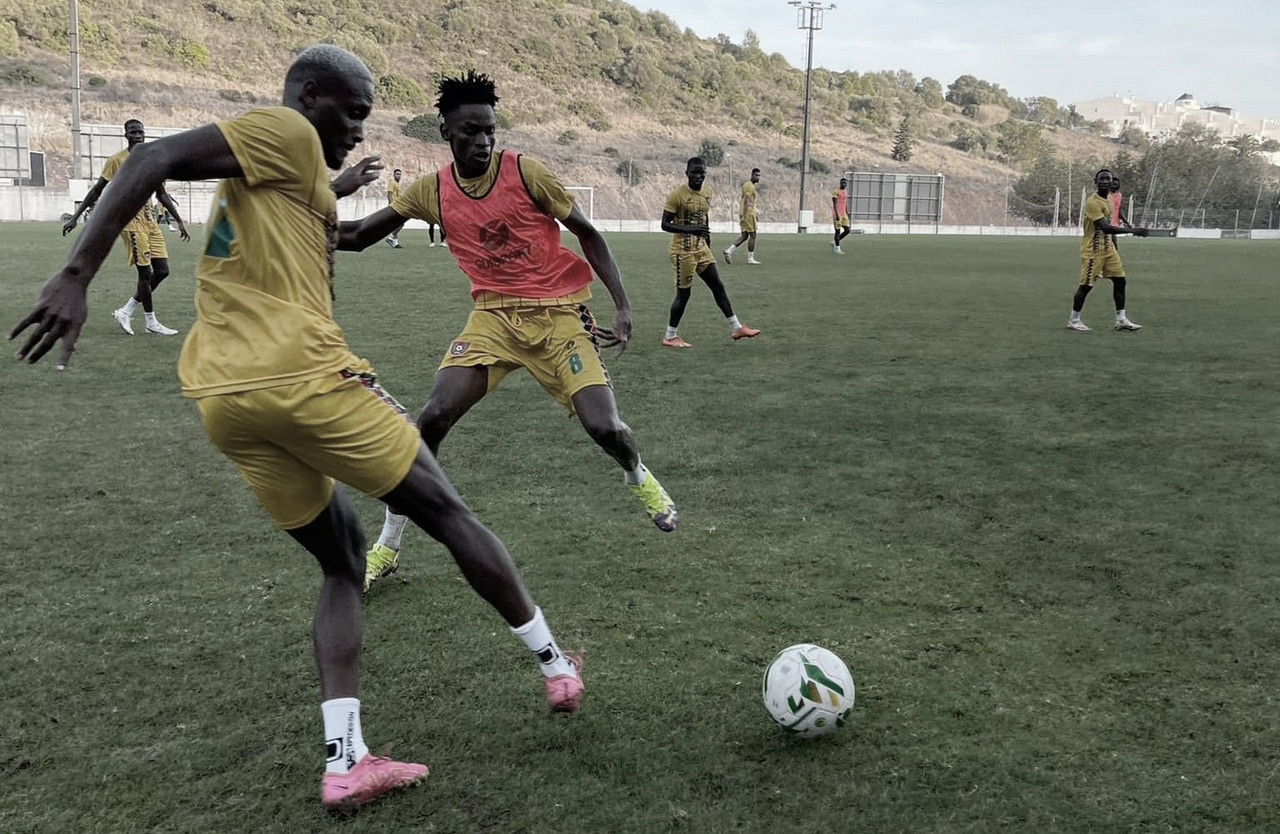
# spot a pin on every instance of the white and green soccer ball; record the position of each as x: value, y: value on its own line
x: 808, y: 690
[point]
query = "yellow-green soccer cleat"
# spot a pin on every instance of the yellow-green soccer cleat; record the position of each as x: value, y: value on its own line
x: 380, y: 562
x: 661, y: 510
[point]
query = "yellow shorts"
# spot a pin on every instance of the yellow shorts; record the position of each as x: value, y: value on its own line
x: 841, y: 221
x: 1107, y: 265
x: 748, y: 224
x: 141, y: 247
x: 292, y: 442
x: 554, y: 344
x: 689, y: 264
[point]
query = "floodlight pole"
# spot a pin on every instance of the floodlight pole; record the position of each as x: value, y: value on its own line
x: 75, y: 89
x: 809, y: 17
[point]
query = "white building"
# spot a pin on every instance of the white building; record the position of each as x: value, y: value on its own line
x: 1162, y: 119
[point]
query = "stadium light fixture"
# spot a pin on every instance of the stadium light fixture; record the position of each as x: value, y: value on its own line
x: 810, y: 16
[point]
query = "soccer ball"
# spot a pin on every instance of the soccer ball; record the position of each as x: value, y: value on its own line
x: 808, y: 690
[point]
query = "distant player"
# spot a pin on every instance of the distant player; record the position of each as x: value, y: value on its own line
x: 686, y: 216
x: 840, y: 215
x: 747, y: 221
x: 393, y: 191
x: 530, y: 294
x: 1098, y: 255
x: 143, y: 241
x: 1116, y: 199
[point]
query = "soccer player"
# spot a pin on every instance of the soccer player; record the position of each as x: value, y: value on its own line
x: 281, y: 394
x: 840, y: 215
x: 393, y: 191
x: 1098, y: 255
x: 686, y: 216
x: 1116, y: 200
x: 143, y: 240
x: 747, y: 221
x: 529, y: 291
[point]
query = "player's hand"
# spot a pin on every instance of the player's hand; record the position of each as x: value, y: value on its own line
x: 59, y: 313
x: 620, y: 334
x: 182, y: 231
x: 1141, y: 232
x: 68, y: 226
x: 361, y: 174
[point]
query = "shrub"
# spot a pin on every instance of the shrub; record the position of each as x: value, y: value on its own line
x: 504, y: 119
x: 97, y: 81
x: 568, y: 137
x: 712, y: 152
x: 630, y: 171
x: 401, y: 91
x: 8, y: 39
x: 612, y: 153
x: 26, y: 76
x: 425, y: 127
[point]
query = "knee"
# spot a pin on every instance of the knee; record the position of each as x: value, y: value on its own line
x: 433, y: 422
x: 159, y: 272
x: 608, y: 433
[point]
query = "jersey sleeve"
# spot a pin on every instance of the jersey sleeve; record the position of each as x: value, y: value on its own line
x: 272, y: 144
x: 420, y: 199
x: 673, y: 202
x: 545, y: 188
x: 1095, y: 210
x: 111, y: 167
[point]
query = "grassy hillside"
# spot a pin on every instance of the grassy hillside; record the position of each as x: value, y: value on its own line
x: 588, y: 85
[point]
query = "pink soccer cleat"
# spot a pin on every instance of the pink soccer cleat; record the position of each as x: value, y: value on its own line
x: 372, y: 777
x: 564, y: 692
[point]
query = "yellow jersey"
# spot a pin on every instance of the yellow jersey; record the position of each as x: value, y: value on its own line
x: 748, y: 199
x: 393, y: 190
x: 1095, y: 241
x: 264, y: 283
x: 690, y: 208
x: 145, y: 219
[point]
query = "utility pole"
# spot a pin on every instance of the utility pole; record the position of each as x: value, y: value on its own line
x: 75, y: 90
x: 810, y: 15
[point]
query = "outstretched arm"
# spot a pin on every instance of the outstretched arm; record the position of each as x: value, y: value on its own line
x: 358, y: 235
x: 669, y: 224
x: 596, y: 250
x: 60, y: 309
x: 1105, y: 225
x: 85, y: 204
x: 171, y: 206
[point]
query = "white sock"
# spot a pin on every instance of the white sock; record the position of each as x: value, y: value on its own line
x: 751, y: 254
x: 392, y: 530
x: 734, y: 324
x: 636, y: 476
x: 343, y: 742
x: 671, y: 332
x: 536, y: 634
x: 130, y: 306
x: 1075, y: 315
x: 151, y: 318
x: 731, y: 248
x: 1120, y: 316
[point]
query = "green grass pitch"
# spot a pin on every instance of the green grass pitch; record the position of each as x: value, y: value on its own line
x: 1047, y: 557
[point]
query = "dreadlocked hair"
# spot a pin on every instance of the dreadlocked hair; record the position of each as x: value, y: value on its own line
x: 472, y: 88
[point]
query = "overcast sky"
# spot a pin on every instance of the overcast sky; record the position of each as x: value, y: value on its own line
x: 1225, y: 52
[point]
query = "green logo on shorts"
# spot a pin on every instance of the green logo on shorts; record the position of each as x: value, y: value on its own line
x: 575, y: 363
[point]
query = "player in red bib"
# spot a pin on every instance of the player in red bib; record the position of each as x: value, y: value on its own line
x: 500, y: 210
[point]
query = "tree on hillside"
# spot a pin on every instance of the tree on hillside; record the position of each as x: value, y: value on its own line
x: 904, y: 143
x: 930, y: 92
x: 712, y: 153
x: 1019, y: 142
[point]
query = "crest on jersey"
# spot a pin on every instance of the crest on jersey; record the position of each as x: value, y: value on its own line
x: 459, y: 348
x: 495, y: 235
